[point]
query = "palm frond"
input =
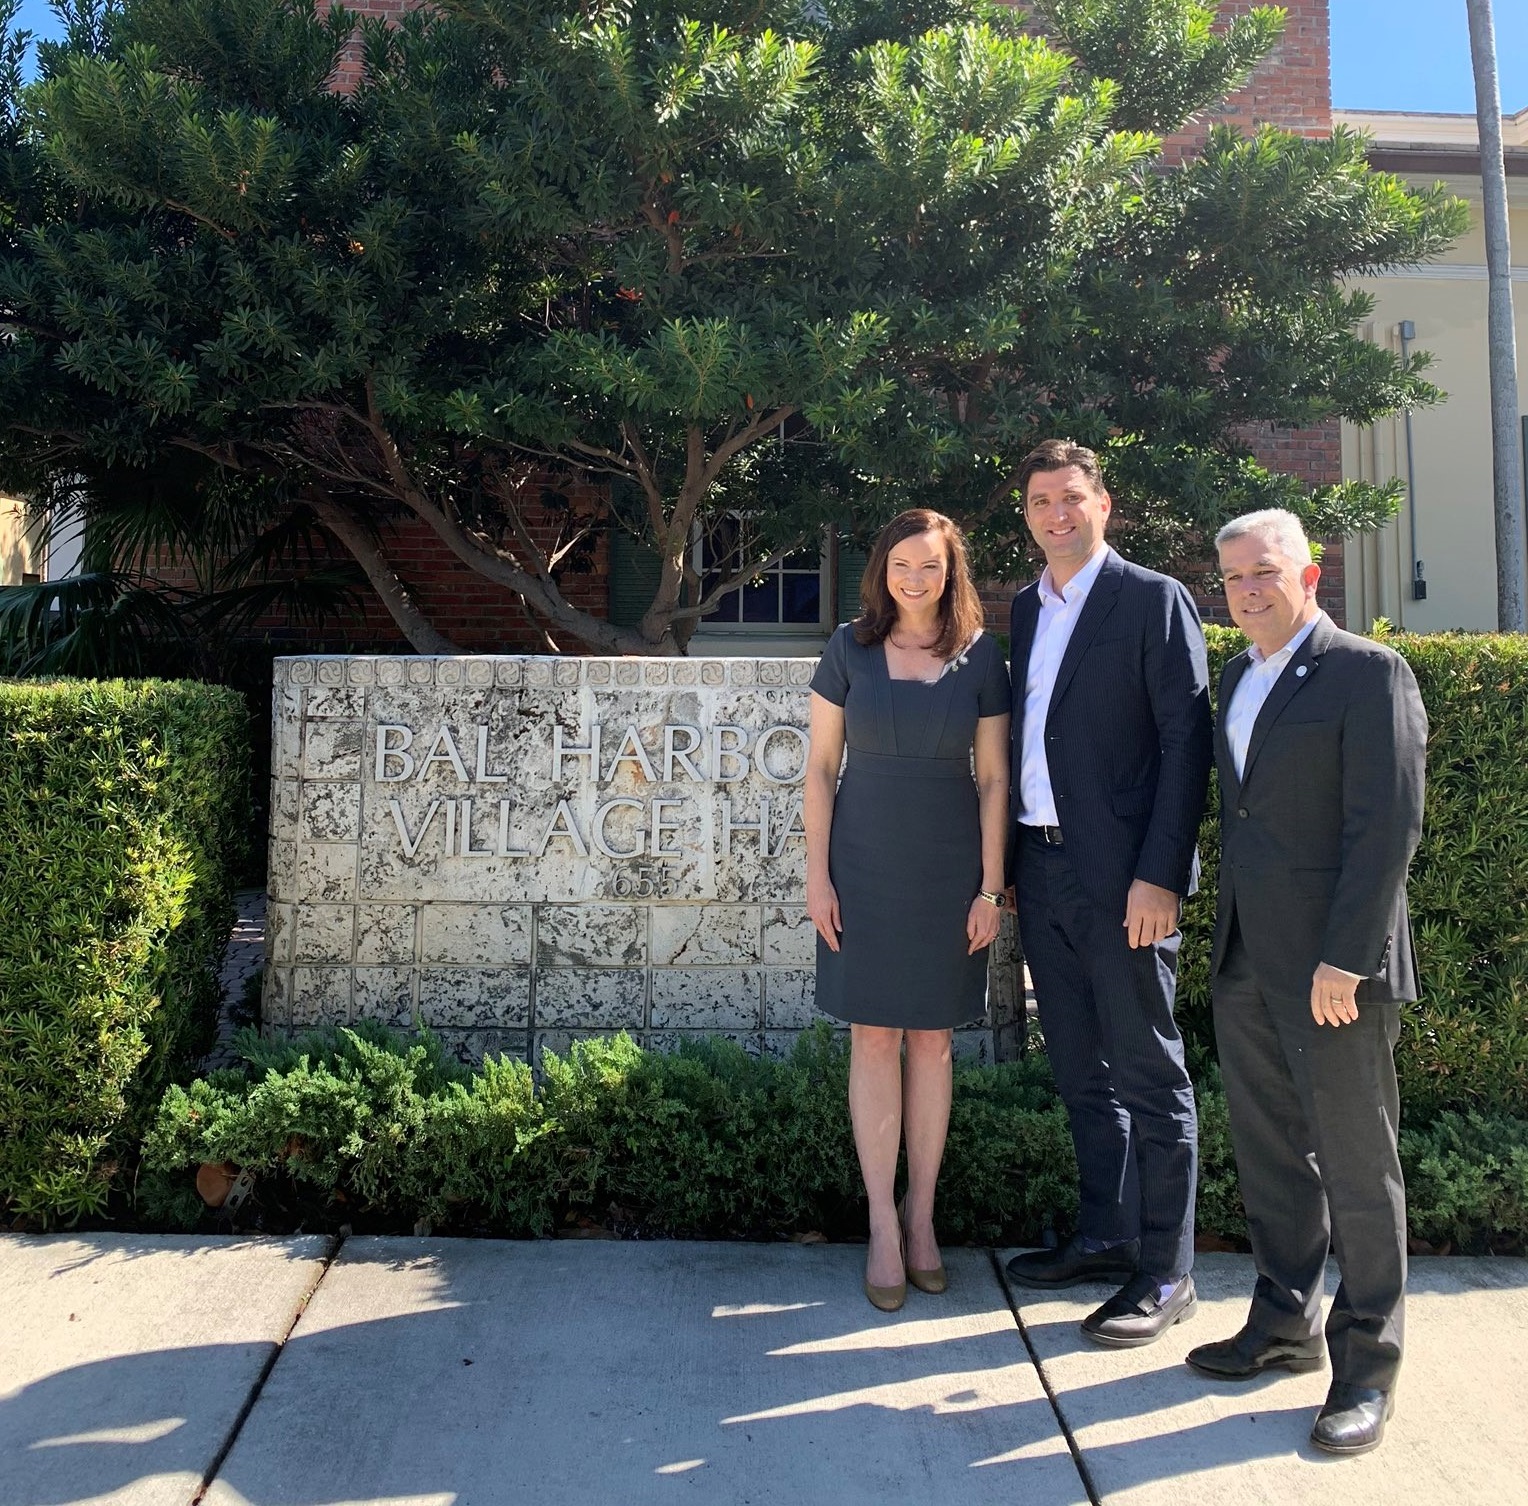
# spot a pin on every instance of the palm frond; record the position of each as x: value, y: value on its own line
x: 100, y: 623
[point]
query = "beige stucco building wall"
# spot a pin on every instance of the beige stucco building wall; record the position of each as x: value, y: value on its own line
x: 1448, y: 524
x: 18, y: 555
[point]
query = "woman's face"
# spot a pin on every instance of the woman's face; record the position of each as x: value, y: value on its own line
x: 917, y: 571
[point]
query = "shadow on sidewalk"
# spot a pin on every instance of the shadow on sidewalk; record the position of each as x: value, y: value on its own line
x: 108, y: 1248
x: 486, y: 1372
x: 481, y: 1372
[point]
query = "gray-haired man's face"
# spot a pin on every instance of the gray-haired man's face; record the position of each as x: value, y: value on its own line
x: 1270, y: 595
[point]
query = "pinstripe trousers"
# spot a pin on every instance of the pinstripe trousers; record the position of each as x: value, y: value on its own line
x: 1314, y: 1115
x: 1106, y: 1010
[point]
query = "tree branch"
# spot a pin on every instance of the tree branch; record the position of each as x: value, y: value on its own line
x: 742, y: 439
x: 646, y: 475
x: 705, y: 604
x: 395, y: 596
x: 558, y: 555
x: 673, y: 236
x: 200, y: 219
x: 539, y: 592
x: 545, y: 600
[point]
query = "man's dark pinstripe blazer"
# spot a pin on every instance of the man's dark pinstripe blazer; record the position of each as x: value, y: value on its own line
x: 1318, y: 833
x: 1127, y: 735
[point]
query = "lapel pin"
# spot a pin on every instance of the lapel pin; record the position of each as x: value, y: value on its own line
x: 1299, y: 672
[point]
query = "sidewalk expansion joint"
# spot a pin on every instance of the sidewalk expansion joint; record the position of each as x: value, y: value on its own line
x: 336, y: 1243
x: 1083, y: 1472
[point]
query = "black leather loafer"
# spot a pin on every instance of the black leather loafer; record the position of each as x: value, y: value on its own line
x: 1353, y: 1419
x: 1071, y: 1265
x: 1135, y: 1314
x: 1250, y: 1353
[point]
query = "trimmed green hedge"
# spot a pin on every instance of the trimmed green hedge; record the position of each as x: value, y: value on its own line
x: 121, y: 813
x: 382, y: 1132
x: 1464, y: 1045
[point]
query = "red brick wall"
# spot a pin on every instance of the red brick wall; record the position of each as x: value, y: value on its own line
x: 479, y: 614
x: 1293, y: 87
x: 473, y: 611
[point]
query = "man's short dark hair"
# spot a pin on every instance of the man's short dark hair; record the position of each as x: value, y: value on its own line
x: 1057, y: 455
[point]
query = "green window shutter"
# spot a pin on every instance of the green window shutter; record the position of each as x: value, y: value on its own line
x: 851, y: 570
x: 635, y: 571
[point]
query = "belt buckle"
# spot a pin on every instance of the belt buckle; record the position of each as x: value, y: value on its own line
x: 1052, y: 835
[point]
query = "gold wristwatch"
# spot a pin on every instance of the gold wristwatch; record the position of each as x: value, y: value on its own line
x: 998, y: 901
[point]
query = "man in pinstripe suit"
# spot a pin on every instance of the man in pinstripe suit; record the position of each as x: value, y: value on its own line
x: 1322, y: 747
x: 1111, y: 759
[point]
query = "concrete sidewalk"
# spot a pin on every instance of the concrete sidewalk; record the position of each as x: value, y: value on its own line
x: 470, y: 1373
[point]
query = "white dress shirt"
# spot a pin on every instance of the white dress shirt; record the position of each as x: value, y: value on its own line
x: 1059, y: 612
x: 1253, y: 689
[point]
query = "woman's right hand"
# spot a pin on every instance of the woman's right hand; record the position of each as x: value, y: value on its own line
x: 822, y: 906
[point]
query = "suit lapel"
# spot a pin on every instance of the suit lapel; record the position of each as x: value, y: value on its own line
x: 1095, y: 609
x: 1298, y: 673
x: 1021, y: 636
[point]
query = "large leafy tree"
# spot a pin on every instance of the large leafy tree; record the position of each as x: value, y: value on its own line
x: 786, y: 261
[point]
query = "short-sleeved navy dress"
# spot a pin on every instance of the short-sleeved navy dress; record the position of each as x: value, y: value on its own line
x: 905, y: 850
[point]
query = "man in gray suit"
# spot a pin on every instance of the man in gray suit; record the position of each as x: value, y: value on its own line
x: 1321, y: 745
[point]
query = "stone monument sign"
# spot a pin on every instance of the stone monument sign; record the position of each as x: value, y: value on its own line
x: 517, y: 851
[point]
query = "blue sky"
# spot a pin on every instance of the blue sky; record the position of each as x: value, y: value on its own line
x: 1415, y: 55
x: 1386, y: 54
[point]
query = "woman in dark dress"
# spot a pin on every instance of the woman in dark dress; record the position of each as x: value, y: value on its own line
x: 904, y: 859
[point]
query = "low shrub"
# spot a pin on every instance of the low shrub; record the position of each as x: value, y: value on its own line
x: 1464, y: 1044
x: 120, y: 814
x: 706, y: 1142
x: 366, y: 1128
x: 1467, y: 1181
x: 712, y: 1142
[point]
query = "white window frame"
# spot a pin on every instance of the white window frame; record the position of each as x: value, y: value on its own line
x: 827, y: 600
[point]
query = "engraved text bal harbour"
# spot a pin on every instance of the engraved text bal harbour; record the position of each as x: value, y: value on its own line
x: 622, y: 826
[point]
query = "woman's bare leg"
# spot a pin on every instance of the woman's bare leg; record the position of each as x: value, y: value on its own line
x: 925, y: 1121
x: 875, y: 1108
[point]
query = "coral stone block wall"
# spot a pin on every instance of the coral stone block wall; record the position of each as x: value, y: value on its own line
x: 517, y: 851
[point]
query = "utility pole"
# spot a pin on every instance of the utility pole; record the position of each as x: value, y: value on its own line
x: 1506, y: 451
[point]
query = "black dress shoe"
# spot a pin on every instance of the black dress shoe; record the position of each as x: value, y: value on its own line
x: 1250, y: 1353
x: 1353, y: 1419
x: 1072, y: 1265
x: 1136, y: 1314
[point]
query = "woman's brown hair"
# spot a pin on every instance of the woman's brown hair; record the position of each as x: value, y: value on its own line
x: 960, y: 608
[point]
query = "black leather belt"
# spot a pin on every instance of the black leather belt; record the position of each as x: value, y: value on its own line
x: 1050, y: 835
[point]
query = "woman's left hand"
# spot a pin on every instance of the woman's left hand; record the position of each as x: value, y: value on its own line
x: 982, y: 925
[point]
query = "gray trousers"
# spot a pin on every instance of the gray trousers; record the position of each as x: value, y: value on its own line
x: 1314, y: 1111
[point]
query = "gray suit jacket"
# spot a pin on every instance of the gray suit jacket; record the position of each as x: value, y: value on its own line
x: 1318, y: 833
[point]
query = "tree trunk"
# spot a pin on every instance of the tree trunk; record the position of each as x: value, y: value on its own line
x: 1506, y: 451
x: 415, y: 626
